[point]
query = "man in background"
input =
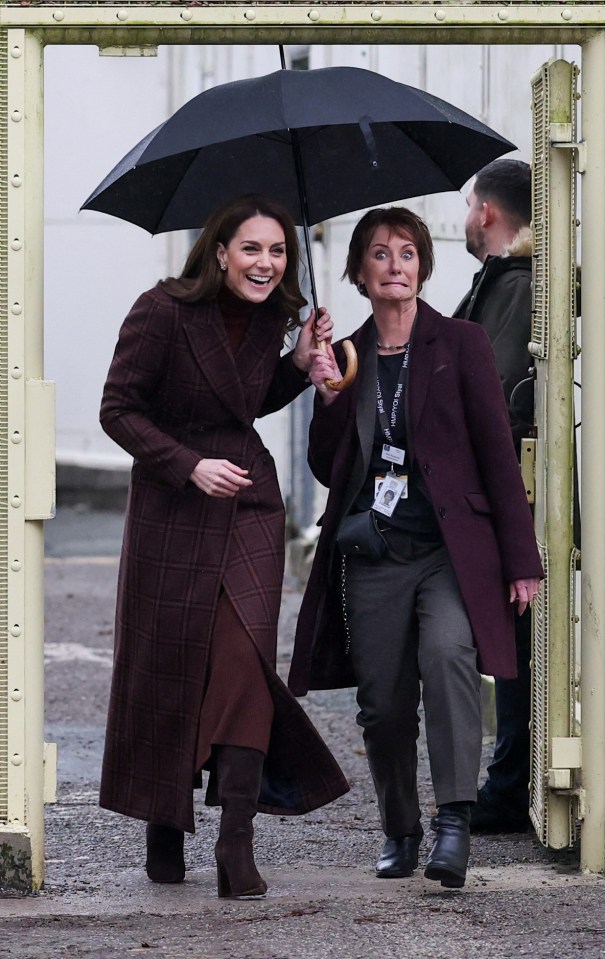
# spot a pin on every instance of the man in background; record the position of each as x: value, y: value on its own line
x: 498, y: 234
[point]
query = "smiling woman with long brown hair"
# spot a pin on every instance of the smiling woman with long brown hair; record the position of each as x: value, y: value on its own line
x: 194, y: 683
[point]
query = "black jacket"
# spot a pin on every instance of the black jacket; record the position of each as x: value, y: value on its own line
x: 500, y: 301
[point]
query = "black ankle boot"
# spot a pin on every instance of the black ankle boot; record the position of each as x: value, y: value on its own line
x: 399, y: 857
x: 448, y: 858
x: 165, y: 860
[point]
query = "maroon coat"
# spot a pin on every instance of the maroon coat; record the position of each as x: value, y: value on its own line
x: 458, y: 432
x: 174, y: 395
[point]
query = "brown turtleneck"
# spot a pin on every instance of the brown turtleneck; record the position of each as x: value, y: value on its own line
x: 236, y: 314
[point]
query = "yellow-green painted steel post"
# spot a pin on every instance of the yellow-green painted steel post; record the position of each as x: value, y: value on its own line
x: 28, y: 475
x: 553, y: 174
x: 593, y: 456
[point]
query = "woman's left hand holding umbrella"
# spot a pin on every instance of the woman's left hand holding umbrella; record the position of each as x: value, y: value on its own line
x: 311, y: 335
x: 325, y: 373
x: 314, y: 354
x: 339, y: 382
x: 314, y: 340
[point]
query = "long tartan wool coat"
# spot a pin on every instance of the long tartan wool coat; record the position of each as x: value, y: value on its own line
x: 174, y: 395
x: 458, y: 432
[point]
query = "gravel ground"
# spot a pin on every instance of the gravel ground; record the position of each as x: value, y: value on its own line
x: 324, y: 900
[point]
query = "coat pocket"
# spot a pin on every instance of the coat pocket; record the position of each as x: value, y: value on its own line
x: 478, y: 502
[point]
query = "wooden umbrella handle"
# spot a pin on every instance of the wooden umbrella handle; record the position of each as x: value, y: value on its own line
x: 351, y: 371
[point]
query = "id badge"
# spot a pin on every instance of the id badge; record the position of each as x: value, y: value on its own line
x: 392, y: 454
x: 378, y: 481
x: 391, y: 490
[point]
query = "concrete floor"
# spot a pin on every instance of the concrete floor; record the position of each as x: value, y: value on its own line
x: 324, y: 900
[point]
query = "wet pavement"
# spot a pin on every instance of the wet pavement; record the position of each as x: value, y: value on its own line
x: 324, y: 900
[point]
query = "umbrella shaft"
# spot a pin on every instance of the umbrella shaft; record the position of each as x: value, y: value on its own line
x: 311, y: 273
x: 302, y: 191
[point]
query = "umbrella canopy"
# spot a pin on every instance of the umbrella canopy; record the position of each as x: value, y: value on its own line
x: 363, y: 140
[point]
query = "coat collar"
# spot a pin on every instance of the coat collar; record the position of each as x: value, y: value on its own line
x: 205, y: 332
x: 493, y: 267
x: 422, y: 359
x: 424, y: 337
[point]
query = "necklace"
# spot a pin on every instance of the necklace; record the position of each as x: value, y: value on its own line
x: 391, y: 348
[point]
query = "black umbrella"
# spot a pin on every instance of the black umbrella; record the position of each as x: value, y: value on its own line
x: 323, y: 142
x: 364, y: 140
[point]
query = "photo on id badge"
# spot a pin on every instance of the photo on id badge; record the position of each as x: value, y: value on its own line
x: 388, y: 491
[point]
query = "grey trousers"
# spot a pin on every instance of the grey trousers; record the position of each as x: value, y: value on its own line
x: 408, y: 624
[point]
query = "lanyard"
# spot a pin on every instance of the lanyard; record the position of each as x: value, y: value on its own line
x: 387, y: 426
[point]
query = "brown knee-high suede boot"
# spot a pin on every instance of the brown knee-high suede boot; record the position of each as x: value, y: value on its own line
x: 239, y: 771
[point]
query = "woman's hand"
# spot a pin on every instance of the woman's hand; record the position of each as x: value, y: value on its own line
x: 522, y: 591
x: 324, y: 367
x: 310, y: 334
x: 219, y: 477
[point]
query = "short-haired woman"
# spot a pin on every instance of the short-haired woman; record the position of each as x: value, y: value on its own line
x: 421, y: 589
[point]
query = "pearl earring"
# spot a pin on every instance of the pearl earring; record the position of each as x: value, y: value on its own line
x: 223, y: 266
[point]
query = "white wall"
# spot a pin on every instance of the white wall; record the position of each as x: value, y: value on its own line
x: 97, y: 108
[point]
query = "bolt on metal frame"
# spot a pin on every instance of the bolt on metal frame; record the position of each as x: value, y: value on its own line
x: 26, y: 400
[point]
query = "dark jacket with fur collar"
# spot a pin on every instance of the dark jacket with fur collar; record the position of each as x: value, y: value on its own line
x: 500, y: 301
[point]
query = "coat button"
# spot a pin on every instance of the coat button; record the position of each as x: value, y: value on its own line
x: 427, y: 469
x: 442, y: 512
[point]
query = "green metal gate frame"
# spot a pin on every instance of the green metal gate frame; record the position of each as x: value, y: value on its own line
x: 26, y: 400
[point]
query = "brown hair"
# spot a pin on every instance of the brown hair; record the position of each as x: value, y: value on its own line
x: 400, y: 220
x: 202, y: 278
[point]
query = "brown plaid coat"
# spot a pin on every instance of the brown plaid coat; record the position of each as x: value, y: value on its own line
x: 175, y: 394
